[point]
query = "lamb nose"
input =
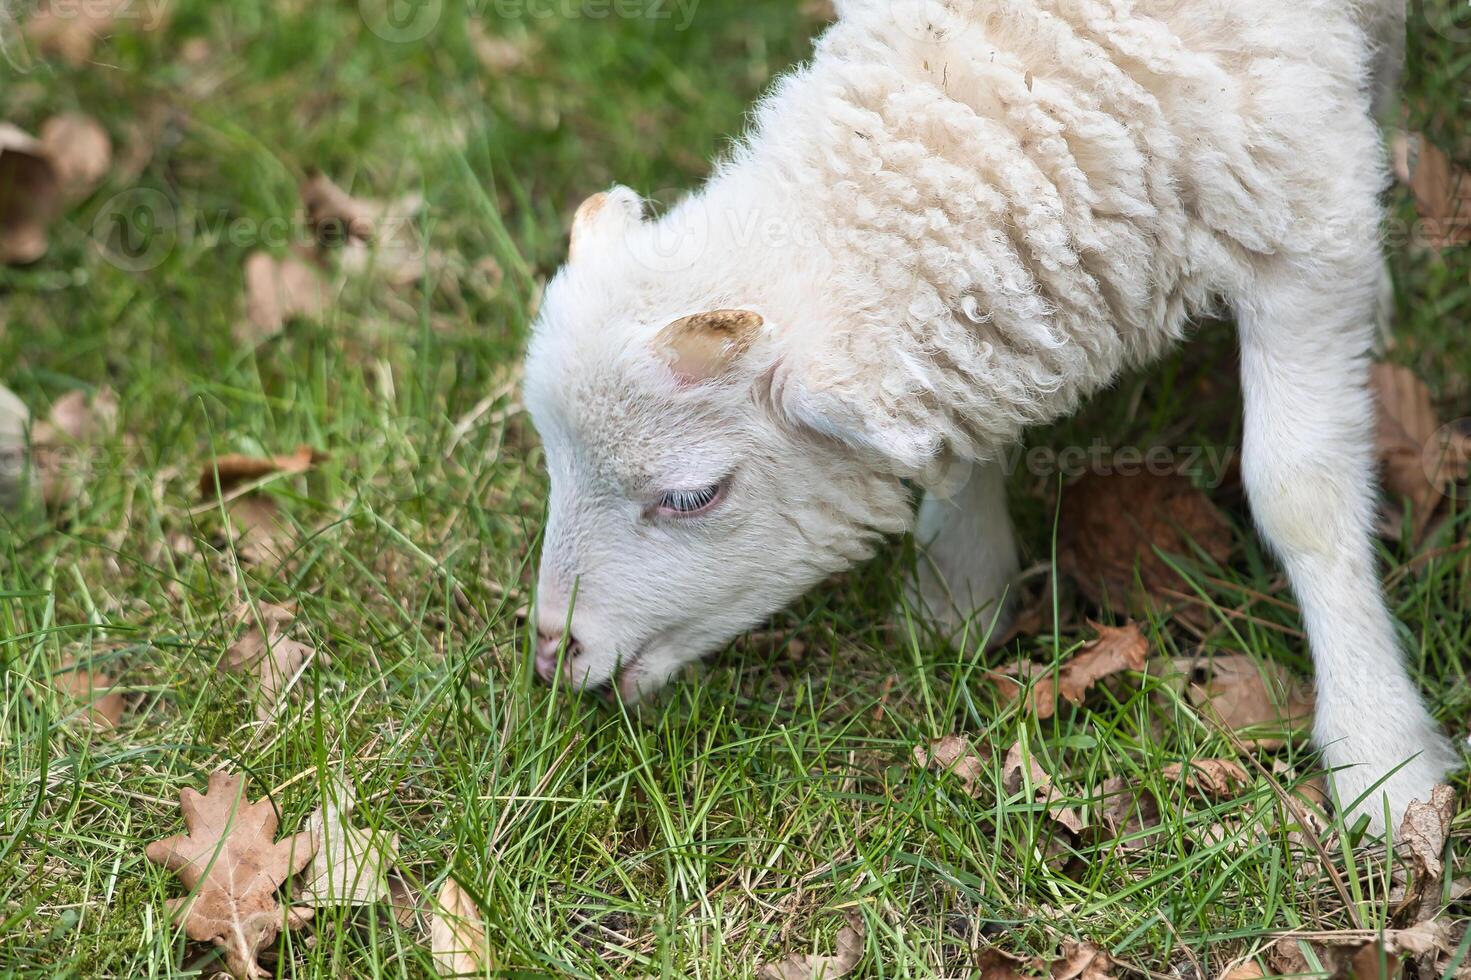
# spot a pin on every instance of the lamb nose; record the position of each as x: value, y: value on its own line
x: 548, y: 648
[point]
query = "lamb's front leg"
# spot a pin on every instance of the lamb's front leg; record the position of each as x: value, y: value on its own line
x: 1309, y: 472
x: 967, y: 558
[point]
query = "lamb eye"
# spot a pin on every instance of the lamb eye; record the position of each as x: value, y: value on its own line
x: 686, y: 503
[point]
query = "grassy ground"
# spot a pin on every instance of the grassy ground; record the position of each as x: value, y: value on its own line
x: 756, y: 801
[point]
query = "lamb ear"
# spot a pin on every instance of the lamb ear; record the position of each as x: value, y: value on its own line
x: 603, y: 217
x: 706, y: 345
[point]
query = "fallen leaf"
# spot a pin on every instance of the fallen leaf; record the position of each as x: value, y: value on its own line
x: 1216, y: 778
x: 457, y: 933
x: 497, y: 53
x: 351, y: 864
x: 70, y: 30
x: 1111, y: 524
x: 403, y: 899
x: 953, y: 754
x: 258, y: 529
x: 1022, y: 769
x: 80, y: 151
x: 265, y: 653
x: 370, y: 238
x: 1442, y: 190
x: 93, y: 690
x: 1246, y: 971
x: 225, y: 473
x: 1130, y: 813
x: 1117, y: 649
x: 30, y: 196
x: 996, y: 964
x: 1083, y: 961
x: 803, y: 966
x: 231, y: 864
x: 278, y: 291
x: 1244, y: 695
x: 1420, y: 459
x: 62, y: 443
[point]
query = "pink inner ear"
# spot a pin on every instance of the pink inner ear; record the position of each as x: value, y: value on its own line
x: 705, y: 346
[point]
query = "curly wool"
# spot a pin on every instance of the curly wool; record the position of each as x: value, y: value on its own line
x: 963, y: 217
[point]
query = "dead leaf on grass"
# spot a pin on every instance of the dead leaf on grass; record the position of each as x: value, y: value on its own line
x: 266, y: 654
x: 1117, y: 649
x: 1245, y: 696
x: 80, y: 151
x: 70, y: 30
x: 231, y: 865
x: 351, y: 864
x: 93, y: 690
x: 228, y: 472
x: 403, y: 899
x: 1021, y: 769
x: 258, y: 529
x: 803, y: 966
x: 1216, y: 778
x: 1421, y: 459
x: 1245, y: 971
x: 1111, y: 524
x: 457, y: 933
x: 377, y: 239
x: 1442, y: 190
x: 61, y: 444
x: 953, y: 754
x: 1130, y: 813
x: 1083, y: 961
x: 499, y: 54
x: 30, y: 196
x: 278, y: 290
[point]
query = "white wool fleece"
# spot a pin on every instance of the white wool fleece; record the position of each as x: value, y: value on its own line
x: 958, y: 220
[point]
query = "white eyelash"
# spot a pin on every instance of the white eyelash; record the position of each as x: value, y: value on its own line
x: 688, y: 501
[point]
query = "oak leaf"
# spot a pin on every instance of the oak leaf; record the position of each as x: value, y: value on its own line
x: 63, y: 442
x: 1442, y: 190
x: 1117, y: 649
x: 278, y: 290
x: 1083, y: 961
x: 953, y: 754
x: 80, y: 151
x: 232, y: 865
x: 846, y: 956
x: 1256, y: 699
x: 257, y: 527
x: 266, y: 654
x: 92, y: 689
x: 370, y: 237
x: 1216, y: 778
x: 1021, y: 770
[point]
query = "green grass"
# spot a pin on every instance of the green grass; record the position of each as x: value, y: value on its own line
x: 741, y: 814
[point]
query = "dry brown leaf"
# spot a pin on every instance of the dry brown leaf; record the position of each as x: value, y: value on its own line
x: 264, y: 652
x: 1083, y: 961
x: 70, y: 30
x: 997, y: 964
x: 30, y: 196
x: 403, y: 899
x: 1246, y: 971
x: 80, y: 151
x: 1216, y: 778
x: 1242, y: 694
x: 231, y: 864
x: 61, y: 443
x: 228, y: 472
x: 277, y: 291
x: 370, y: 238
x: 93, y: 690
x: 1021, y: 769
x: 802, y: 966
x: 1420, y: 459
x: 1117, y: 649
x: 497, y: 53
x: 1130, y: 813
x: 1111, y: 524
x: 351, y: 864
x: 953, y: 754
x: 457, y: 933
x: 1442, y: 190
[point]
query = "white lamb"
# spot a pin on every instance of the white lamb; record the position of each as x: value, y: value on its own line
x: 958, y: 220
